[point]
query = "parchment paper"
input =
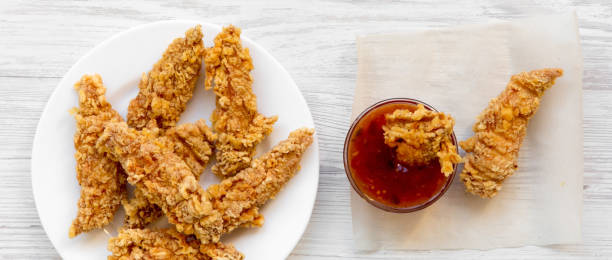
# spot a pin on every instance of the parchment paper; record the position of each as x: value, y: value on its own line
x: 458, y: 71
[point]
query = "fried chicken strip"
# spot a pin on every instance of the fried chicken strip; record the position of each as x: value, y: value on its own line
x: 166, y: 244
x: 166, y: 89
x: 163, y: 96
x: 421, y: 136
x: 192, y: 142
x: 139, y: 212
x: 166, y: 181
x: 492, y: 152
x: 163, y: 177
x: 235, y: 119
x: 238, y: 198
x: 101, y: 179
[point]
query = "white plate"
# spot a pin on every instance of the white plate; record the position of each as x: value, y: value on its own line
x: 120, y: 61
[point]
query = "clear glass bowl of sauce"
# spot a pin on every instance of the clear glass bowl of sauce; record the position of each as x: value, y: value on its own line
x: 377, y: 176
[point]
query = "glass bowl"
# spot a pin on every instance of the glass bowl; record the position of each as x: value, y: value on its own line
x: 356, y: 187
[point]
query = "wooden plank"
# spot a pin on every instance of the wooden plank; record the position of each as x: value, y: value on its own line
x: 315, y: 41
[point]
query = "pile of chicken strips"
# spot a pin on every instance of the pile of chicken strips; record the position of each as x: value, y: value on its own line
x: 163, y: 160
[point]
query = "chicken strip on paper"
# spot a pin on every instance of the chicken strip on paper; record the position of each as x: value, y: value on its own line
x: 192, y: 142
x: 421, y: 136
x: 101, y: 179
x: 166, y: 89
x: 166, y: 181
x: 166, y: 244
x: 499, y: 131
x: 235, y: 119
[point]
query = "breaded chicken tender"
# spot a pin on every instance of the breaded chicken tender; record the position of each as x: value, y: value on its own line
x: 166, y: 244
x: 166, y: 89
x: 101, y: 179
x: 162, y: 97
x: 421, y: 136
x: 192, y: 142
x: 236, y: 120
x: 163, y: 177
x: 238, y: 198
x: 499, y: 131
x: 139, y: 212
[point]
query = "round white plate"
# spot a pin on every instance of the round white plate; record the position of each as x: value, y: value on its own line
x: 120, y: 61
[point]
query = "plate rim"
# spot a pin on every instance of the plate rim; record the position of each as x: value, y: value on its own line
x: 314, y: 145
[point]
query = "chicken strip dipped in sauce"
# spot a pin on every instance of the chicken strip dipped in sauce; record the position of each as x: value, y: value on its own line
x: 421, y: 136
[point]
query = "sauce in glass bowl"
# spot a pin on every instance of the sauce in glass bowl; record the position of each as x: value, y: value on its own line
x: 376, y: 174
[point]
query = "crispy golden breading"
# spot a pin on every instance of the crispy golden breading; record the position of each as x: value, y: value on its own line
x: 238, y: 198
x: 102, y: 180
x: 193, y: 143
x: 421, y: 136
x: 166, y: 244
x: 166, y: 89
x: 499, y: 131
x: 220, y: 251
x: 163, y: 177
x: 235, y: 119
x: 139, y: 212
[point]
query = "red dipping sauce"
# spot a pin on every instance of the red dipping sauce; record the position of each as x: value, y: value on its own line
x: 375, y: 173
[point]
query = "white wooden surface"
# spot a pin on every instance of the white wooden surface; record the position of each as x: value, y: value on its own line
x: 315, y: 41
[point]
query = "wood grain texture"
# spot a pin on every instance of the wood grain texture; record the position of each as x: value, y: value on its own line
x: 315, y: 41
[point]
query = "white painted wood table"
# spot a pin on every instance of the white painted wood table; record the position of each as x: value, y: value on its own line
x: 315, y: 41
